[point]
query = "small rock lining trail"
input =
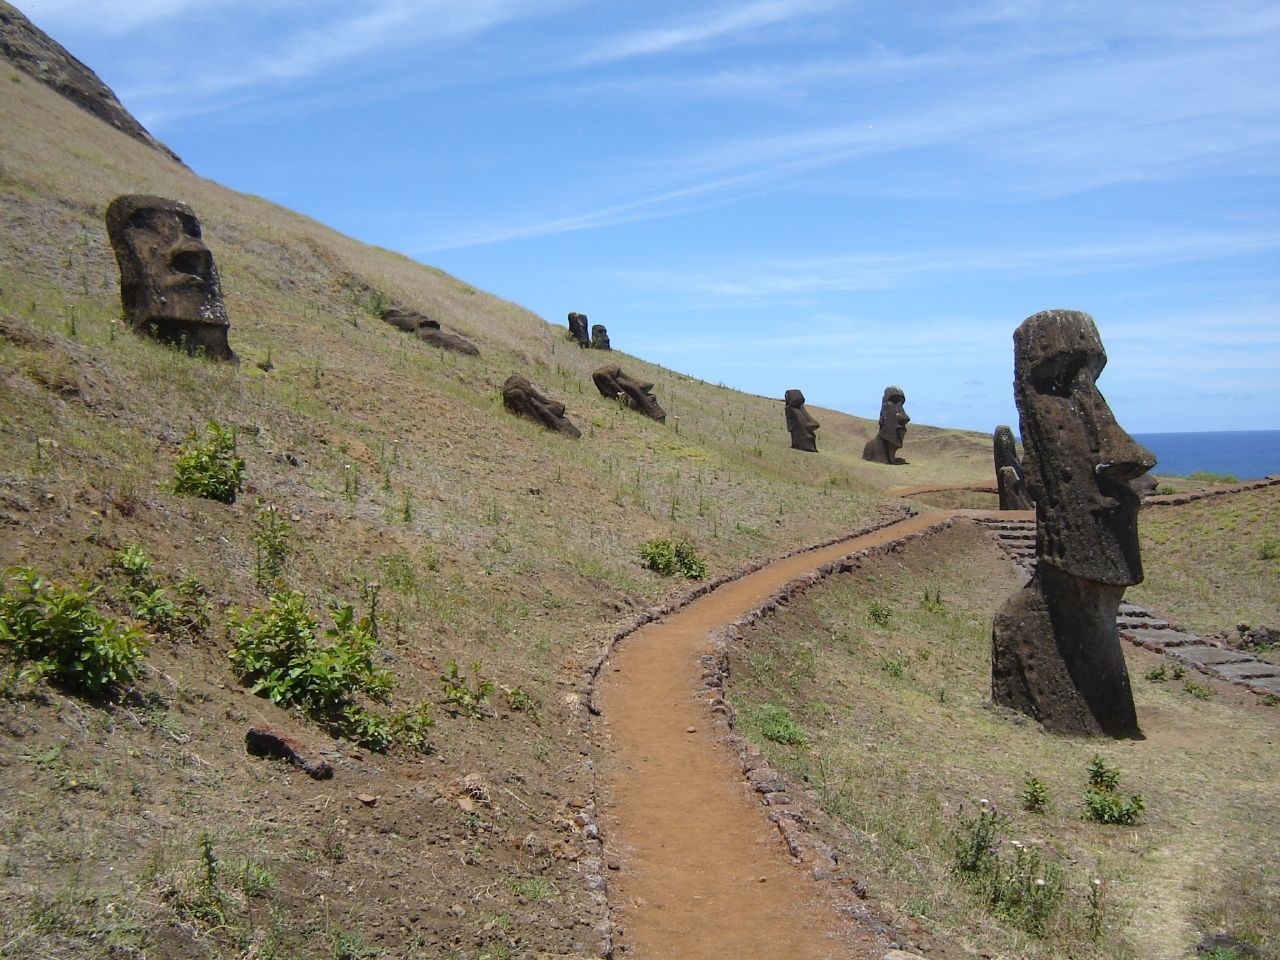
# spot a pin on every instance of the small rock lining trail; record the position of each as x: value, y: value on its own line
x: 697, y: 871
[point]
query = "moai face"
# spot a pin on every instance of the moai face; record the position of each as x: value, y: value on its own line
x: 521, y: 398
x: 599, y: 337
x: 893, y: 419
x: 1005, y: 449
x: 1079, y: 461
x: 578, y: 329
x: 800, y: 423
x: 168, y: 282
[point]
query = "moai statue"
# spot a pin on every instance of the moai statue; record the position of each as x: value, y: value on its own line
x: 800, y: 423
x: 1055, y: 650
x: 578, y: 329
x: 168, y: 282
x: 520, y: 397
x: 884, y: 446
x: 424, y: 328
x: 599, y: 337
x: 1009, y: 478
x: 613, y: 383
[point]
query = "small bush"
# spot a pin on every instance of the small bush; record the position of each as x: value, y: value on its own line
x: 1035, y: 795
x: 1157, y: 674
x: 1102, y: 775
x: 55, y: 631
x: 670, y: 558
x: 1106, y: 806
x: 1198, y: 690
x: 1269, y: 549
x: 277, y: 652
x: 776, y: 724
x: 271, y: 546
x: 209, y: 467
x: 466, y: 696
x: 880, y: 613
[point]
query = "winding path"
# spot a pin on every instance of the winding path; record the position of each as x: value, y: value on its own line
x: 697, y: 869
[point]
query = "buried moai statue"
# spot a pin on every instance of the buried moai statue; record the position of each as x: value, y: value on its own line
x: 599, y: 337
x: 169, y: 286
x: 884, y: 446
x: 1055, y: 649
x: 520, y: 397
x: 800, y: 423
x: 1010, y: 481
x: 428, y: 330
x: 614, y: 384
x: 578, y: 329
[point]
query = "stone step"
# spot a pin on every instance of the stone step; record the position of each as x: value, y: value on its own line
x: 1203, y: 655
x: 1130, y: 622
x: 1247, y: 670
x: 1159, y: 640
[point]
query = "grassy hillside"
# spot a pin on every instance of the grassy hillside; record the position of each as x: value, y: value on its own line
x: 382, y: 474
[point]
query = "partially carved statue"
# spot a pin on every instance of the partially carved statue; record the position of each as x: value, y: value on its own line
x: 1009, y: 477
x: 884, y: 446
x: 168, y: 282
x: 578, y: 329
x: 424, y: 328
x: 1055, y: 651
x: 599, y: 337
x: 800, y: 423
x: 613, y: 383
x: 520, y: 397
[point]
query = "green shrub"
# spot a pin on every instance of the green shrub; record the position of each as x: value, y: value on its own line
x: 1269, y: 549
x: 277, y: 652
x: 466, y: 696
x: 1198, y: 690
x: 1106, y: 806
x: 669, y: 558
x: 55, y: 631
x: 777, y: 724
x: 1102, y: 775
x: 879, y: 613
x: 1035, y: 795
x: 209, y: 467
x: 147, y: 598
x: 271, y: 546
x: 1207, y: 476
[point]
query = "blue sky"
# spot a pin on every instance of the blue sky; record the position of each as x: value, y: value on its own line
x: 833, y: 196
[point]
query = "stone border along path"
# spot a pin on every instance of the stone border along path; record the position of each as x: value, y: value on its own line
x: 691, y: 815
x: 1017, y: 537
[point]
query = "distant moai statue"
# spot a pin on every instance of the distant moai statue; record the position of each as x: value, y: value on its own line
x: 520, y: 397
x: 884, y: 446
x: 800, y: 423
x: 424, y: 328
x: 578, y: 329
x: 637, y: 394
x: 1055, y: 650
x: 169, y: 286
x: 1009, y: 477
x: 600, y: 337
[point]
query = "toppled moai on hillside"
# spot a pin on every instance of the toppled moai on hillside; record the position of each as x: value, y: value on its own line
x: 884, y: 446
x: 614, y: 384
x: 1055, y: 649
x: 1010, y: 480
x: 169, y: 286
x: 578, y: 329
x: 800, y: 423
x: 424, y: 328
x: 600, y: 337
x: 520, y: 397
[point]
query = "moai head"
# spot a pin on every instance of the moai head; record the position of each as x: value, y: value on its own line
x: 893, y: 419
x: 1005, y: 448
x: 168, y: 282
x: 800, y: 423
x: 614, y: 384
x: 578, y: 329
x: 520, y: 397
x: 1009, y: 479
x: 1079, y: 462
x: 599, y: 337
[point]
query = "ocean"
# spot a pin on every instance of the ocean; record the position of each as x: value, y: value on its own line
x: 1246, y: 454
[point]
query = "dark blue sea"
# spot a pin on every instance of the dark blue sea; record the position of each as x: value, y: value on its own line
x: 1247, y: 454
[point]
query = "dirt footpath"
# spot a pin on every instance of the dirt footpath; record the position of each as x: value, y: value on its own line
x: 696, y: 868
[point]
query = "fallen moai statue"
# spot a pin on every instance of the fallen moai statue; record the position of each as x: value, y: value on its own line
x: 520, y: 397
x: 614, y: 384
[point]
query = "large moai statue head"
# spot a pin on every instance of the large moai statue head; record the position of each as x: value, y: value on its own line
x: 1055, y: 649
x: 800, y: 423
x: 637, y: 394
x: 520, y: 397
x: 599, y: 337
x: 884, y: 446
x: 169, y: 284
x: 1009, y: 476
x: 578, y: 329
x: 1079, y: 462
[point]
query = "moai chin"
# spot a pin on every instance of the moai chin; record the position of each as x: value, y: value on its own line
x: 1010, y: 481
x: 520, y: 397
x: 169, y: 284
x: 1055, y: 649
x: 800, y: 423
x: 884, y: 446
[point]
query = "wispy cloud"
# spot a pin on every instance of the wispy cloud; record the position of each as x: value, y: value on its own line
x: 702, y: 30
